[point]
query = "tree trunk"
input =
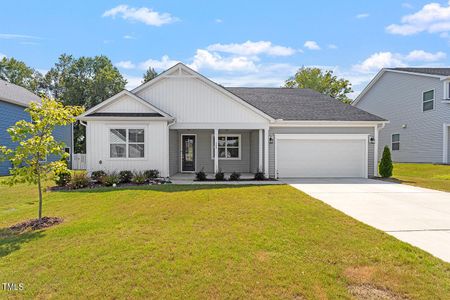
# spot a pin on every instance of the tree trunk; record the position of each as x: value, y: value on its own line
x: 40, y: 196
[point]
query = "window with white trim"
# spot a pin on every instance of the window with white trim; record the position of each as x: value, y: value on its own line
x: 428, y: 100
x: 126, y: 143
x: 229, y: 146
x: 395, y: 142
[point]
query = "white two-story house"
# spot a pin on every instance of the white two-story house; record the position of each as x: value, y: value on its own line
x: 416, y: 101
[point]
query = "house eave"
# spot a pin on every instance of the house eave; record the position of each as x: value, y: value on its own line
x: 109, y: 118
x: 325, y: 123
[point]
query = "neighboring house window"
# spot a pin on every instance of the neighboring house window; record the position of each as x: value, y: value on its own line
x: 395, y: 142
x: 229, y: 146
x: 126, y: 143
x: 428, y: 100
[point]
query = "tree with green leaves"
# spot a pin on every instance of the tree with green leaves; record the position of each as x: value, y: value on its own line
x: 17, y: 72
x: 385, y: 168
x: 321, y: 81
x: 35, y: 142
x: 84, y: 81
x: 149, y: 74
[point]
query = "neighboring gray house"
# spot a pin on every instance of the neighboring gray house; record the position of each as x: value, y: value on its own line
x: 13, y: 101
x: 416, y: 101
x: 182, y: 122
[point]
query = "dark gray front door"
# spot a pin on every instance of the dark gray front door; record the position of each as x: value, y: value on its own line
x: 188, y: 153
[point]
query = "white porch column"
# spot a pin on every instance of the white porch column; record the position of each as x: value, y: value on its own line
x: 216, y: 150
x: 260, y: 150
x: 375, y: 152
x: 445, y: 143
x: 266, y: 152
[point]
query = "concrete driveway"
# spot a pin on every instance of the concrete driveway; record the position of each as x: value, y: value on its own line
x: 414, y: 215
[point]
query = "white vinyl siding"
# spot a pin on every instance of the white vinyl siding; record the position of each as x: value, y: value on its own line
x: 428, y: 100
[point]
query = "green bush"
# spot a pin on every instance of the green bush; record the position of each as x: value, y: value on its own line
x: 97, y: 175
x: 200, y: 176
x: 125, y: 176
x: 63, y: 178
x: 139, y: 178
x: 220, y: 176
x: 259, y: 175
x: 79, y: 180
x: 235, y: 176
x: 151, y: 174
x: 385, y: 168
x: 110, y: 179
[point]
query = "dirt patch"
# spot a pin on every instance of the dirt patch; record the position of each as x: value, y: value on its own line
x: 35, y: 224
x: 360, y: 274
x: 370, y: 292
x: 262, y: 256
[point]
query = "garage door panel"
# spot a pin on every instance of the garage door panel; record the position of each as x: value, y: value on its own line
x: 321, y: 158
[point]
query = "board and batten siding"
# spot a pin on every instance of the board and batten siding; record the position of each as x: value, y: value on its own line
x: 398, y: 98
x: 321, y: 130
x: 156, y: 147
x: 126, y: 104
x: 190, y: 100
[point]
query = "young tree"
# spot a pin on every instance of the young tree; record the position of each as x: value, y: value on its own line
x: 385, y: 168
x: 17, y: 72
x: 149, y: 74
x: 35, y: 142
x: 321, y: 81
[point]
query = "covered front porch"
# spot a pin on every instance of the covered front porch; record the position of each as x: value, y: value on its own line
x: 219, y: 149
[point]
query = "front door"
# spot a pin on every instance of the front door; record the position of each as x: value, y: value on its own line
x: 188, y: 153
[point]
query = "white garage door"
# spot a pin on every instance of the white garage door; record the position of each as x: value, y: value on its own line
x: 321, y: 156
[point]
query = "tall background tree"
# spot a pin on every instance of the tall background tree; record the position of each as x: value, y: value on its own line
x: 84, y: 81
x: 17, y: 72
x: 321, y: 81
x: 149, y: 74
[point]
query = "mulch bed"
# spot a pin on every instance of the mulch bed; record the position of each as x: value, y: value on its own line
x: 227, y: 180
x: 35, y: 224
x: 96, y: 185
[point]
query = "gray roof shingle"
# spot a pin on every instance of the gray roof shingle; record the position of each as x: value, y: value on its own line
x: 16, y: 94
x: 429, y: 71
x: 300, y: 104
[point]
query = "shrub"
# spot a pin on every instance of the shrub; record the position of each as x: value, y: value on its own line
x: 235, y: 176
x: 79, y: 180
x: 259, y: 175
x: 151, y: 174
x: 385, y: 168
x: 110, y: 179
x: 97, y: 175
x: 200, y: 176
x: 139, y: 177
x: 63, y: 178
x: 220, y: 176
x: 125, y: 176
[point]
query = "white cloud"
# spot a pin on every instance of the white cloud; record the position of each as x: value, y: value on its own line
x: 218, y: 20
x: 332, y: 46
x: 133, y: 81
x: 420, y: 55
x: 362, y: 16
x: 163, y: 64
x: 252, y: 48
x: 13, y: 36
x: 125, y: 64
x: 143, y: 14
x: 387, y: 59
x: 204, y: 59
x: 129, y: 37
x: 311, y: 45
x: 432, y: 18
x: 2, y: 55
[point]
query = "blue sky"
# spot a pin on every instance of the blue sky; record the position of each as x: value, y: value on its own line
x: 235, y: 43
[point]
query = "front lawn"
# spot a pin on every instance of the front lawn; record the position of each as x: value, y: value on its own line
x: 205, y: 242
x: 424, y: 175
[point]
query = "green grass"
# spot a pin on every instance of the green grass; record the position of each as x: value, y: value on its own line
x: 424, y: 175
x: 204, y: 242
